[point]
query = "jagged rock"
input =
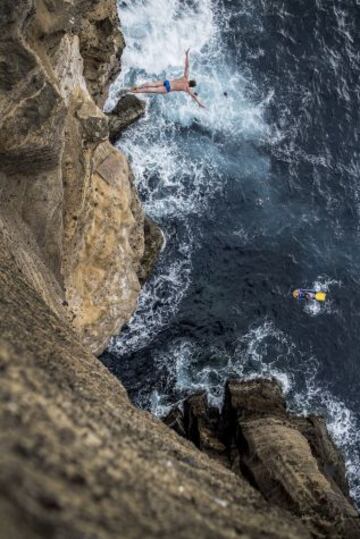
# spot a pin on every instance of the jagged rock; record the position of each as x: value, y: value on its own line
x: 101, y: 46
x: 199, y: 423
x: 324, y: 450
x: 279, y: 459
x: 175, y: 421
x: 77, y: 460
x: 63, y: 186
x: 127, y: 110
x: 154, y: 242
x: 291, y: 460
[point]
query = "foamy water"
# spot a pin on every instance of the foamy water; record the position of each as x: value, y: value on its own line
x: 206, y: 314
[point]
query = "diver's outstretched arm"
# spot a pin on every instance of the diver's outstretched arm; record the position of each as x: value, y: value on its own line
x: 187, y: 65
x: 196, y: 99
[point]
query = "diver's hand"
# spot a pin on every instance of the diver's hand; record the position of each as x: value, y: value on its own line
x: 187, y: 52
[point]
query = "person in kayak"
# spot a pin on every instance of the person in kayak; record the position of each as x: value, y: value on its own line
x: 182, y: 84
x: 309, y: 295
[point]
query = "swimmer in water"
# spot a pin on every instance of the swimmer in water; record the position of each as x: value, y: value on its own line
x: 176, y: 85
x: 309, y: 295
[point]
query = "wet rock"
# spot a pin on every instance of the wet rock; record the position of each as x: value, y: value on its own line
x: 154, y: 242
x: 201, y: 424
x: 128, y: 109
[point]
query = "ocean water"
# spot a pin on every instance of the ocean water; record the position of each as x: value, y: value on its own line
x: 257, y: 195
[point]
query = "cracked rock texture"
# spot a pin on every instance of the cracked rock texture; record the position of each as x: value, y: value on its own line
x: 66, y: 193
x: 290, y: 460
x: 78, y: 461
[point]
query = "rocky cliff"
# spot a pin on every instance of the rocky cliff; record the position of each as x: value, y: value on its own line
x: 290, y: 460
x: 77, y: 459
x: 67, y: 202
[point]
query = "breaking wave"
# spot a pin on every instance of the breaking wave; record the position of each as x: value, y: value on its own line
x: 257, y: 195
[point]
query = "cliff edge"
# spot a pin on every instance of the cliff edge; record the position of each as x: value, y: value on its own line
x: 78, y: 461
x: 67, y: 202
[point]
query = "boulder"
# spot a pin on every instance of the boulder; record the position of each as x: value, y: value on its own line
x: 127, y: 110
x: 154, y: 243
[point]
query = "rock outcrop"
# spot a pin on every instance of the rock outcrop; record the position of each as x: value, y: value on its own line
x: 127, y: 110
x: 65, y: 191
x: 290, y: 460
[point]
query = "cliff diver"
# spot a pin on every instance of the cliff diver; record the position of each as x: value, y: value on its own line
x: 303, y: 294
x: 182, y: 84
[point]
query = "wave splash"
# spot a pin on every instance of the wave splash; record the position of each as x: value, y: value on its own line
x: 182, y: 162
x: 178, y: 165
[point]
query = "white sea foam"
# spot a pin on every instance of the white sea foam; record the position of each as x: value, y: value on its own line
x: 158, y: 302
x: 157, y: 34
x: 177, y: 176
x: 314, y: 308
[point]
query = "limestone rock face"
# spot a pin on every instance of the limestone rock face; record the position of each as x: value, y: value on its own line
x: 63, y: 186
x: 291, y: 460
x: 101, y: 45
x: 77, y: 460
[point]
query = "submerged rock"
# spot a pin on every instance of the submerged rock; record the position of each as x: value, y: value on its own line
x: 290, y: 460
x: 154, y: 243
x: 128, y: 109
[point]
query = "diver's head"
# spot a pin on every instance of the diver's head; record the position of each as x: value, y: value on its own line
x: 296, y: 294
x: 192, y: 83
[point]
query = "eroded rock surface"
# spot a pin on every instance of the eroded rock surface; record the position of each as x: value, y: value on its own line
x: 77, y: 460
x: 63, y: 186
x: 291, y: 460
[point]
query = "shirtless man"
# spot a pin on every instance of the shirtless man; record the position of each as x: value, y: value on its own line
x: 176, y: 85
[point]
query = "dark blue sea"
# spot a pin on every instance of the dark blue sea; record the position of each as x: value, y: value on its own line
x: 257, y: 195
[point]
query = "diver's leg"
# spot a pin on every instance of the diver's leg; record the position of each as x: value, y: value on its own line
x: 150, y: 90
x: 155, y: 84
